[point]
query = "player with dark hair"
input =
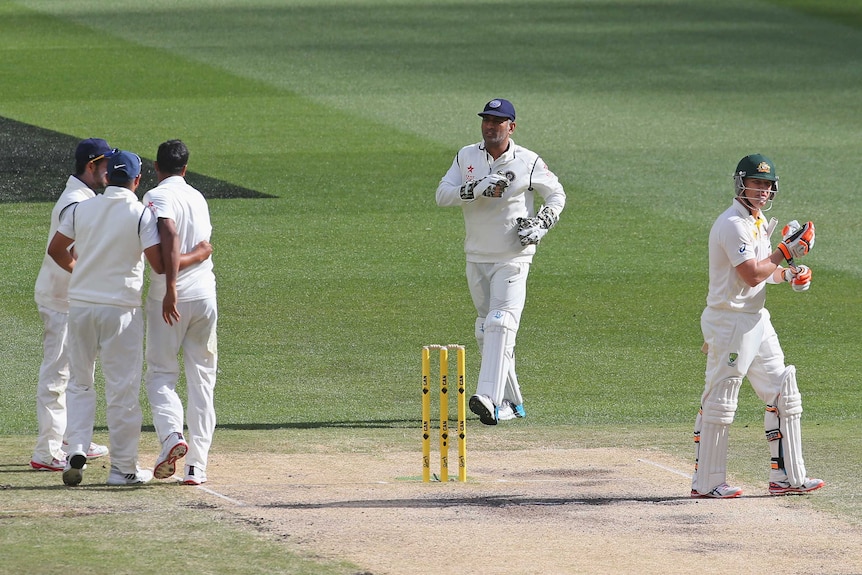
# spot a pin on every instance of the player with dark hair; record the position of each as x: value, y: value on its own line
x: 181, y: 314
x: 52, y: 300
x: 740, y: 340
x: 495, y: 183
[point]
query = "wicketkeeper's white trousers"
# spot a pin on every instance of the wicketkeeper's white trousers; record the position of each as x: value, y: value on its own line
x: 116, y: 336
x: 195, y: 333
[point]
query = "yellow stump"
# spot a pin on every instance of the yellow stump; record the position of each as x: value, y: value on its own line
x: 444, y: 414
x: 462, y: 416
x: 426, y: 414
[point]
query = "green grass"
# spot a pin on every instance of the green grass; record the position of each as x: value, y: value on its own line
x: 350, y: 112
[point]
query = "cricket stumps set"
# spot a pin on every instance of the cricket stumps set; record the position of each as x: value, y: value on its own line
x: 444, y: 412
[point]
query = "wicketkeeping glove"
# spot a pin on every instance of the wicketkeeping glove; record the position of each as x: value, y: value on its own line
x: 798, y: 240
x: 492, y: 186
x: 800, y: 278
x: 532, y: 230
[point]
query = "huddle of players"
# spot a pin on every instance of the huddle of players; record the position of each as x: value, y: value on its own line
x: 89, y: 293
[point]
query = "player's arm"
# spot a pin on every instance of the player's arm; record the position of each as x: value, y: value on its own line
x: 59, y: 250
x: 545, y: 182
x: 170, y: 252
x: 200, y: 253
x: 754, y: 272
x: 448, y: 190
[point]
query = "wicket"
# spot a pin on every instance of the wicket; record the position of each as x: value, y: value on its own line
x: 444, y: 412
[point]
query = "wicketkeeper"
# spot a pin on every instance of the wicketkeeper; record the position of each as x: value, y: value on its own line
x: 495, y: 183
x: 740, y: 340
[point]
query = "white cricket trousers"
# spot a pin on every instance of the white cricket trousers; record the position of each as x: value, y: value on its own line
x: 51, y: 388
x: 114, y: 335
x: 195, y: 333
x: 742, y: 345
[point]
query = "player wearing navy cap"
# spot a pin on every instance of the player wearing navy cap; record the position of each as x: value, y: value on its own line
x: 495, y: 182
x: 52, y: 300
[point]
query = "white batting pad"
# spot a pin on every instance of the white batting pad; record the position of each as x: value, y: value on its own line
x: 789, y: 406
x: 497, y: 354
x: 712, y: 429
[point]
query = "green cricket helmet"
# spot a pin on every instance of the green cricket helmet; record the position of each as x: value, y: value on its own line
x: 755, y: 166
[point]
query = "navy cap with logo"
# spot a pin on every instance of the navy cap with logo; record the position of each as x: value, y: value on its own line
x: 93, y: 150
x: 124, y: 166
x: 500, y: 108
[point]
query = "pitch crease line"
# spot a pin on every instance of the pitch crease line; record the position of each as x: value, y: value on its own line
x: 666, y: 468
x: 236, y: 502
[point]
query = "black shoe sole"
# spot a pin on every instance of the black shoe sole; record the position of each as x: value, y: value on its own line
x: 485, y: 416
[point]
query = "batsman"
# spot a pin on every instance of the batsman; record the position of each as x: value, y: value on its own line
x: 739, y: 338
x: 495, y: 182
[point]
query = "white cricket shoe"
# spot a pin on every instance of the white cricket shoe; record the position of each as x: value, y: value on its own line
x: 173, y: 448
x: 784, y: 487
x: 117, y: 477
x: 73, y: 472
x: 94, y: 451
x: 722, y: 491
x: 194, y: 475
x: 482, y: 406
x: 509, y: 411
x: 54, y: 465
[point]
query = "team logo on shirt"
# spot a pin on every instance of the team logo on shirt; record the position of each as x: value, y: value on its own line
x: 510, y: 176
x: 743, y: 248
x: 731, y: 359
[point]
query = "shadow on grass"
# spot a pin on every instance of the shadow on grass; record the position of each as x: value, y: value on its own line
x: 36, y: 163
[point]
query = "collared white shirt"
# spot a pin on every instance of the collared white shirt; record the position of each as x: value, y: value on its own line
x: 176, y: 200
x: 491, y: 223
x: 736, y: 236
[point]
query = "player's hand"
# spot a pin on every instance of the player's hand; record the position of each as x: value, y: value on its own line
x: 531, y: 230
x: 169, y: 306
x: 799, y: 278
x: 798, y: 240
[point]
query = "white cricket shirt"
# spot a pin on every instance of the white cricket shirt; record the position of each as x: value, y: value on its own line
x: 734, y: 238
x: 52, y: 283
x: 491, y: 223
x: 174, y: 199
x: 111, y: 232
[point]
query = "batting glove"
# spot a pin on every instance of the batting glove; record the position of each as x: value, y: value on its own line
x: 798, y: 240
x: 800, y: 278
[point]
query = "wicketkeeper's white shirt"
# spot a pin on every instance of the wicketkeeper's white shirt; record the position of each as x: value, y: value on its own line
x: 491, y: 223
